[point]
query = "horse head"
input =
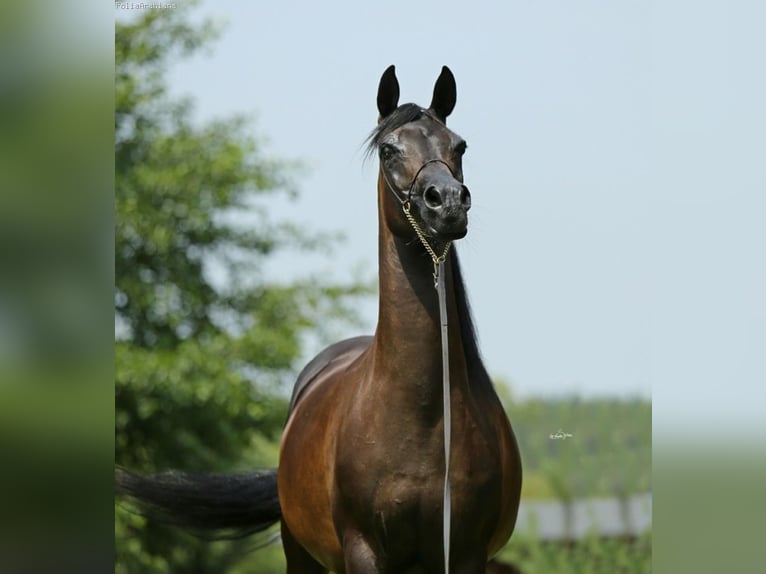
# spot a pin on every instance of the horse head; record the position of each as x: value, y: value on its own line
x: 421, y: 162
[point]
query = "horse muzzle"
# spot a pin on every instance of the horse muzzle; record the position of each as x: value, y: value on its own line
x: 444, y: 209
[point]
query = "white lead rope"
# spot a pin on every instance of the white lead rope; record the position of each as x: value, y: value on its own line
x: 447, y: 517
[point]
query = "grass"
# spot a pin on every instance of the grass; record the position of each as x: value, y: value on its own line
x: 591, y: 555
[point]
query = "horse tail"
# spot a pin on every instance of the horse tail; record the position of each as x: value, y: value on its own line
x: 211, y: 506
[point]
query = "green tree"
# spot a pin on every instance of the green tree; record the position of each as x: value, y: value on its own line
x: 204, y: 337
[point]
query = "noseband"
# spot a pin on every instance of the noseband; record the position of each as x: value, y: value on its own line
x: 407, y: 198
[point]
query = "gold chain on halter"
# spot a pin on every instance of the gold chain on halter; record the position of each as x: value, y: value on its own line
x: 406, y: 206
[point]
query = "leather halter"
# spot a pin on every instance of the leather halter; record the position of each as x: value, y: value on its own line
x: 408, y: 197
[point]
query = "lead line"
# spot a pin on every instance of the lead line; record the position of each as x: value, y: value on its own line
x: 447, y: 504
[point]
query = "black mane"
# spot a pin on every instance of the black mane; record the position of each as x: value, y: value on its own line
x: 402, y: 115
x: 480, y: 379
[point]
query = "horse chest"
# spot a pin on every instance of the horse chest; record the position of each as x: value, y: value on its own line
x: 403, y: 481
x: 408, y: 507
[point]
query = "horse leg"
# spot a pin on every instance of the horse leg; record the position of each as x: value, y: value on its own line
x: 477, y: 565
x: 298, y: 560
x: 358, y: 556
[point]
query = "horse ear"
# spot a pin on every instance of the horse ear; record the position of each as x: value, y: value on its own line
x: 388, y: 92
x: 445, y: 94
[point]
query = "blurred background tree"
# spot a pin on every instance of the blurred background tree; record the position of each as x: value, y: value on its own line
x: 204, y: 338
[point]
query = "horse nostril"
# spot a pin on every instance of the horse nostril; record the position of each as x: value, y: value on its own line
x: 465, y: 198
x: 433, y: 198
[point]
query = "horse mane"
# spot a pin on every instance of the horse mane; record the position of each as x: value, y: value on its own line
x: 479, y: 377
x: 402, y: 115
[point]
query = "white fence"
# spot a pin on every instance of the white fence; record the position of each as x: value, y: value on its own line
x: 556, y: 520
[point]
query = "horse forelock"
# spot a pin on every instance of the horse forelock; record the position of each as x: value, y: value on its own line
x: 402, y: 115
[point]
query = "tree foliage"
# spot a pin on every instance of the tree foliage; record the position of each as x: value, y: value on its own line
x: 204, y: 336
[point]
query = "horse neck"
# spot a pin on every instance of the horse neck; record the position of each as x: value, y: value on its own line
x: 408, y: 348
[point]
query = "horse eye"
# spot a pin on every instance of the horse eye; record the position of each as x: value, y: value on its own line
x: 460, y: 148
x: 387, y: 151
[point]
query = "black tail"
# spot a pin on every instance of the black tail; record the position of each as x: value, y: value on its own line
x: 211, y: 506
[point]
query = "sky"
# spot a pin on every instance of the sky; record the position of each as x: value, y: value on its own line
x: 617, y: 165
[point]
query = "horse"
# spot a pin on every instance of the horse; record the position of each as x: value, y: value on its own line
x: 359, y: 487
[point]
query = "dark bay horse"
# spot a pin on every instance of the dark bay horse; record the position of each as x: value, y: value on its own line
x: 361, y: 470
